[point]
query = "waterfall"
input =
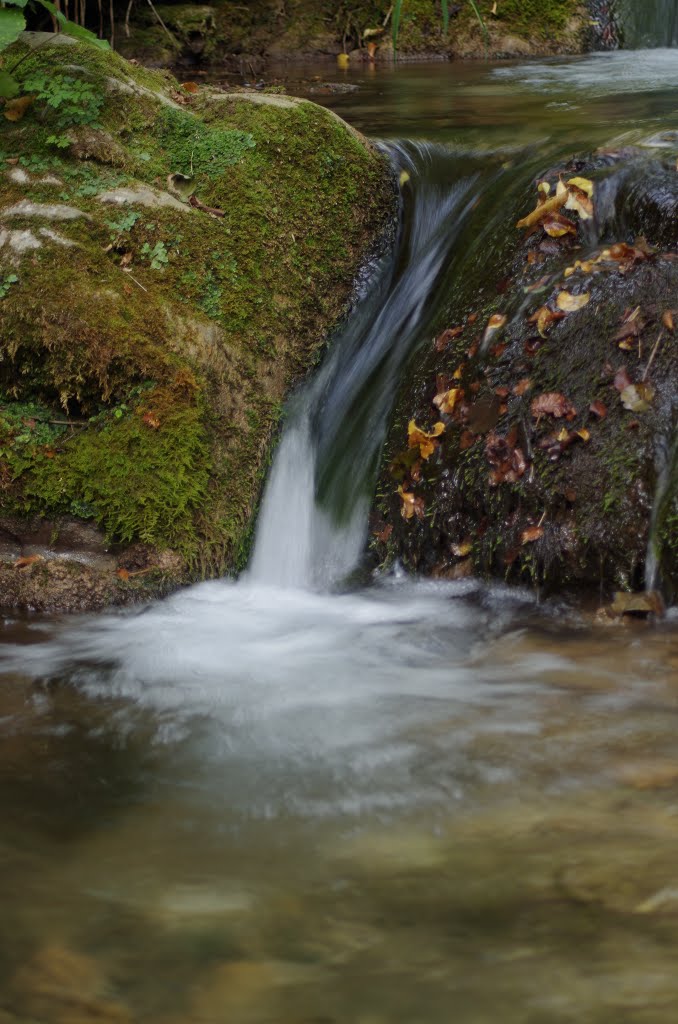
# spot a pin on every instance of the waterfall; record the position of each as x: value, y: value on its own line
x: 313, y: 520
x: 647, y: 23
x: 312, y: 524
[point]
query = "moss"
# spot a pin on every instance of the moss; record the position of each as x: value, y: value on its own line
x: 220, y: 312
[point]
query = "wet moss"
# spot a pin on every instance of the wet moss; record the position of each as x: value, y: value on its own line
x: 198, y: 319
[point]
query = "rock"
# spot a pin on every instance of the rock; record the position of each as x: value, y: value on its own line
x: 146, y: 344
x: 574, y: 479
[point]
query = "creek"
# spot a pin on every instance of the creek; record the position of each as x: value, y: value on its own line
x: 306, y: 798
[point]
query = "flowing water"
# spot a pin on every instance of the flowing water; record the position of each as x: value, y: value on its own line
x: 648, y: 22
x: 289, y: 800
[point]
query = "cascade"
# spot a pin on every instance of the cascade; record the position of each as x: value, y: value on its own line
x: 313, y: 520
x: 650, y: 23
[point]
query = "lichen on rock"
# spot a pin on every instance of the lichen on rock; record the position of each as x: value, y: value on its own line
x: 149, y: 337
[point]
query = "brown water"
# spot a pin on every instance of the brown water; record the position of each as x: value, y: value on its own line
x: 413, y: 802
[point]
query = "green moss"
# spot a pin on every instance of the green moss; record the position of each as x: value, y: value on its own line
x: 221, y: 313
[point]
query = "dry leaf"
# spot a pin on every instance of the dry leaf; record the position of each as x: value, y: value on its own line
x: 637, y: 397
x: 443, y: 340
x: 543, y: 318
x: 571, y: 303
x: 583, y: 184
x: 667, y: 320
x: 622, y: 379
x: 411, y: 504
x: 494, y: 324
x: 122, y: 574
x: 447, y: 400
x: 23, y: 563
x: 522, y: 387
x: 418, y: 438
x: 531, y: 534
x: 151, y: 420
x: 14, y: 110
x: 191, y: 87
x: 553, y: 404
x: 556, y: 226
x: 463, y: 549
x: 598, y: 409
x: 384, y: 534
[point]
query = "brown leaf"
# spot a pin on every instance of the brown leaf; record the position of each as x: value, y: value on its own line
x: 446, y: 401
x: 23, y: 563
x: 667, y: 320
x: 443, y: 340
x: 494, y: 324
x: 467, y: 439
x: 598, y: 409
x: 553, y: 404
x: 191, y: 87
x: 531, y: 534
x: 622, y: 379
x: 122, y: 574
x: 543, y: 210
x: 412, y: 505
x: 556, y: 226
x: 463, y: 549
x: 522, y: 387
x: 543, y: 318
x: 14, y: 110
x: 384, y: 534
x: 151, y: 420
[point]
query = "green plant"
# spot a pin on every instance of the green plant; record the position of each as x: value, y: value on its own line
x: 13, y: 23
x: 73, y: 100
x: 126, y: 223
x: 157, y: 254
x: 397, y: 15
x: 197, y: 148
x: 6, y: 283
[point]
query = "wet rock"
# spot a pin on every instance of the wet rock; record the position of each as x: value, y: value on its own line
x: 574, y: 479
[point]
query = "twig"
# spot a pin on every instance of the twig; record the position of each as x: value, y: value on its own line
x: 134, y: 279
x: 162, y: 23
x: 64, y: 423
x: 127, y: 17
x: 652, y: 355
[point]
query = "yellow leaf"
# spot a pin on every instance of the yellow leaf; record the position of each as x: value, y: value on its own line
x: 404, y: 178
x: 583, y: 184
x: 571, y: 303
x: 447, y: 400
x: 425, y: 441
x: 563, y: 435
x: 343, y: 60
x: 584, y: 434
x: 544, y: 188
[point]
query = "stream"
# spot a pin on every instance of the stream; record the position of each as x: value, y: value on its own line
x: 307, y: 797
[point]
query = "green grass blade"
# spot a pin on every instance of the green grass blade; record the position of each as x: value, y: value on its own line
x: 446, y: 15
x: 395, y: 22
x: 481, y: 22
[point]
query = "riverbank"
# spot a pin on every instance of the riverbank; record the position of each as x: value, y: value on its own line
x: 228, y: 34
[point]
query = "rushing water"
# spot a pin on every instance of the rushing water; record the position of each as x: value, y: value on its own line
x: 278, y: 801
x: 648, y: 22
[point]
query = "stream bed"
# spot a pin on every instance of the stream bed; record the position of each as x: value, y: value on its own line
x: 401, y: 801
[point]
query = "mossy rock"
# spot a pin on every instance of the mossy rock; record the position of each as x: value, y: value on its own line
x: 170, y: 263
x: 556, y: 459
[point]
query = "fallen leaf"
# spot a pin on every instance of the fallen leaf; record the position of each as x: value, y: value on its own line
x: 447, y: 400
x: 14, y: 110
x: 583, y: 184
x: 556, y: 226
x: 551, y: 205
x: 191, y: 87
x: 552, y: 403
x: 463, y: 549
x: 522, y: 387
x: 384, y: 535
x: 151, y: 420
x: 579, y: 202
x: 494, y: 324
x: 443, y: 340
x: 467, y: 439
x: 543, y: 318
x: 418, y: 438
x: 584, y: 434
x: 569, y: 303
x: 122, y: 574
x: 531, y: 534
x: 23, y: 563
x: 598, y: 409
x: 622, y: 379
x: 667, y: 320
x: 411, y: 504
x: 637, y: 397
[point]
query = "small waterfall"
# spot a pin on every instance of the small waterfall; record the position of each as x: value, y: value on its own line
x: 313, y: 520
x: 666, y: 461
x: 647, y: 23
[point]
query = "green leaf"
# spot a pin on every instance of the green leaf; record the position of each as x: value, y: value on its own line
x: 12, y: 24
x: 70, y: 27
x: 15, y: 3
x: 9, y: 87
x: 446, y: 16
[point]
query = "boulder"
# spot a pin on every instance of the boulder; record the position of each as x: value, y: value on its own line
x: 170, y: 263
x: 537, y: 437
